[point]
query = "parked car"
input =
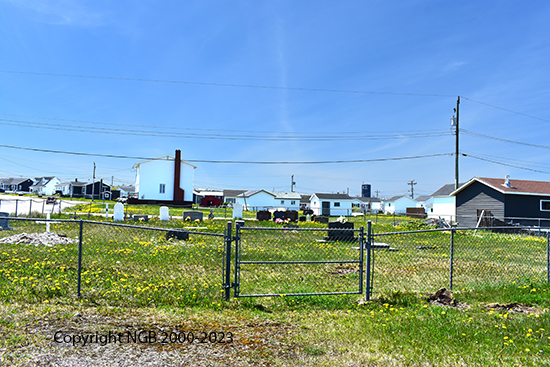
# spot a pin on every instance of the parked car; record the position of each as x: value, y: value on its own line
x: 50, y: 200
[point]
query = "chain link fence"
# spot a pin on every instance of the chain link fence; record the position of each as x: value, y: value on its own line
x: 298, y: 261
x: 109, y: 263
x: 459, y: 258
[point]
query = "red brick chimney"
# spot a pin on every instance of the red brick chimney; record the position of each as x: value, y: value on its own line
x: 178, y: 192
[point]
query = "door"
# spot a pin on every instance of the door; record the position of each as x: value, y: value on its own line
x: 325, y: 208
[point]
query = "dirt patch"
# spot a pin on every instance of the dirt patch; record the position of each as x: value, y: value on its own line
x: 57, y: 339
x: 46, y: 239
x: 444, y: 297
x: 343, y: 271
x: 514, y: 308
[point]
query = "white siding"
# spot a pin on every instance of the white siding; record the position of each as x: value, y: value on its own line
x: 259, y: 201
x: 151, y: 174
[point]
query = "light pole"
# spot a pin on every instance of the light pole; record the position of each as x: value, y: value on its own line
x: 454, y: 122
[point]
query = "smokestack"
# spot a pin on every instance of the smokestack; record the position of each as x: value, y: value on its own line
x: 178, y: 192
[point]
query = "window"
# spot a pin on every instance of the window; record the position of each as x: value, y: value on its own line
x: 282, y: 202
x: 162, y: 188
x: 545, y: 205
x: 293, y: 202
x: 336, y: 205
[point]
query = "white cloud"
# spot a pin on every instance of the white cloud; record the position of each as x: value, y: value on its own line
x: 62, y: 12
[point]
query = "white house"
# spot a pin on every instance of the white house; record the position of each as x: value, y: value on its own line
x: 287, y: 200
x: 331, y: 204
x: 368, y: 205
x: 399, y: 204
x: 257, y: 200
x: 165, y: 179
x: 442, y: 204
x: 230, y: 196
x: 44, y: 185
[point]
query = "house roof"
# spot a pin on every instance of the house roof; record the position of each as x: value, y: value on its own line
x: 332, y: 196
x: 42, y: 181
x: 249, y: 193
x: 397, y: 197
x: 517, y: 187
x: 163, y: 158
x: 73, y: 183
x: 446, y: 190
x: 422, y: 198
x: 13, y: 180
x: 232, y: 193
x: 367, y: 200
x: 287, y: 195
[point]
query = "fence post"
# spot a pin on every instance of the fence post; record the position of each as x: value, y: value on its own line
x: 548, y: 257
x: 227, y: 264
x: 30, y: 207
x: 79, y: 281
x: 367, y: 264
x: 362, y: 257
x: 237, y: 256
x: 16, y: 205
x: 452, y: 259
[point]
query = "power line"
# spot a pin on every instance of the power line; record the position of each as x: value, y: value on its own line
x: 100, y: 130
x: 223, y: 161
x: 506, y: 109
x: 225, y: 84
x: 504, y: 164
x: 504, y: 140
x: 157, y: 127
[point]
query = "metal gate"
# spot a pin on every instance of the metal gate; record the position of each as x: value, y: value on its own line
x: 292, y: 261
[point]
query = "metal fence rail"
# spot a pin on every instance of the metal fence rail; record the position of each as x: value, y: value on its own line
x: 298, y: 261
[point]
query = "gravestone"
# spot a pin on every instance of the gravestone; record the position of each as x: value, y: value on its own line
x: 292, y: 215
x: 279, y: 215
x: 164, y: 214
x: 177, y: 234
x: 239, y: 223
x: 317, y: 219
x: 237, y: 210
x: 4, y: 222
x: 263, y: 215
x: 302, y: 219
x: 211, y: 215
x: 340, y: 231
x: 308, y: 211
x: 192, y: 215
x: 119, y: 212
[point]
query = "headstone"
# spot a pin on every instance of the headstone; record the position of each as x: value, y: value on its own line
x: 141, y: 217
x: 239, y: 223
x: 192, y: 216
x: 279, y: 215
x: 164, y: 214
x: 237, y: 210
x: 302, y: 219
x: 263, y: 215
x: 180, y: 234
x: 308, y: 217
x: 4, y: 222
x: 318, y: 219
x: 119, y: 212
x: 340, y: 231
x: 211, y: 215
x: 292, y: 215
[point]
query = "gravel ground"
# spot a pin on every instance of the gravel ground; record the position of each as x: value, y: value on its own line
x: 27, y: 339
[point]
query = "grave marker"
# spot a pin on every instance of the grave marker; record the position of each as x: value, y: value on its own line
x: 119, y: 212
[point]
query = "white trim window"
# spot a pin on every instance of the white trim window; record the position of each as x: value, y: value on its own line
x: 545, y: 205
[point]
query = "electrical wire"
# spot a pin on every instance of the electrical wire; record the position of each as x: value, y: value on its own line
x: 468, y: 132
x: 506, y: 109
x: 227, y: 84
x: 223, y: 161
x: 133, y: 132
x: 504, y: 164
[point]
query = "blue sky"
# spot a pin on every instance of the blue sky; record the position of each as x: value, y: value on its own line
x: 353, y: 70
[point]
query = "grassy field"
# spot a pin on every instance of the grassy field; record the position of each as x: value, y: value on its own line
x: 138, y: 279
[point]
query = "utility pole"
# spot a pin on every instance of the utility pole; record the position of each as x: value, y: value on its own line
x: 454, y: 122
x: 93, y: 185
x: 377, y: 192
x: 292, y: 183
x: 412, y: 183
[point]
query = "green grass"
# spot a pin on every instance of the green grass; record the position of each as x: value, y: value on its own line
x: 137, y: 277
